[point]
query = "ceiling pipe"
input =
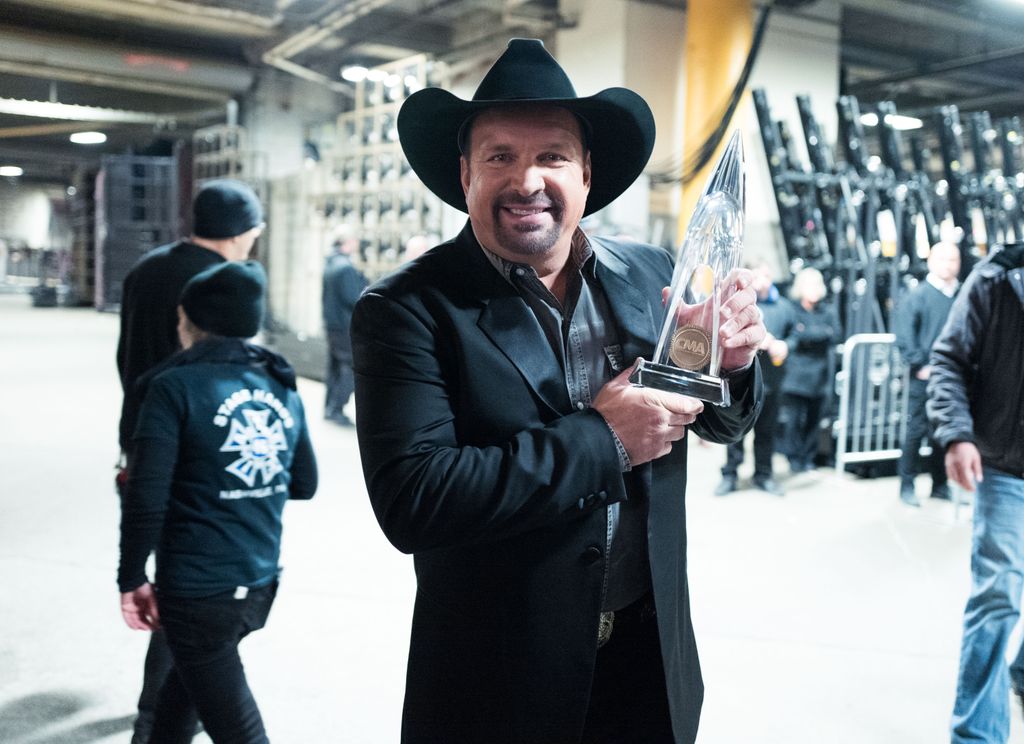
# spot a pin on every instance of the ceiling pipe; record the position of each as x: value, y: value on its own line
x: 938, y: 68
x: 110, y: 81
x: 280, y: 55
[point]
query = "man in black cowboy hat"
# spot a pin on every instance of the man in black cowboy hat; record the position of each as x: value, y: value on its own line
x: 502, y: 444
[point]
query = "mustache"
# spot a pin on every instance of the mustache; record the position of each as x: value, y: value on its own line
x: 542, y: 200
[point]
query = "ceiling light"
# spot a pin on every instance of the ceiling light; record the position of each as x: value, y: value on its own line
x: 88, y: 138
x: 10, y: 170
x: 869, y: 119
x: 354, y: 73
x: 376, y: 76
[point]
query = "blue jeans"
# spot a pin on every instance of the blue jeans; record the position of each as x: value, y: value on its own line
x: 981, y: 712
x: 207, y: 678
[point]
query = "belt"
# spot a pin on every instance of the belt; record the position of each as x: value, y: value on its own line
x: 640, y: 611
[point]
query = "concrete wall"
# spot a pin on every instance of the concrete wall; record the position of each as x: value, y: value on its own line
x: 277, y: 114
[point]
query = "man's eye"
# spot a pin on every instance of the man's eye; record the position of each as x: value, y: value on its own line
x: 555, y: 156
x: 499, y: 157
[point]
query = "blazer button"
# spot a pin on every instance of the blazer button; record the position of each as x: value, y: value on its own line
x: 593, y: 554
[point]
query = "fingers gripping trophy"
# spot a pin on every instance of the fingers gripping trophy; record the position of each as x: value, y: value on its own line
x: 688, y: 356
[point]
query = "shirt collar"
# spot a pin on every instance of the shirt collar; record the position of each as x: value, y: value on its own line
x: 581, y: 255
x: 948, y: 289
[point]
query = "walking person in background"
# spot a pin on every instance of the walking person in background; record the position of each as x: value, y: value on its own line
x: 918, y: 319
x: 227, y: 218
x: 221, y: 444
x: 806, y: 385
x: 976, y: 406
x: 342, y: 285
x: 779, y: 323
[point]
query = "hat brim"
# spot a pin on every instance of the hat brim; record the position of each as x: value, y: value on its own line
x: 621, y: 139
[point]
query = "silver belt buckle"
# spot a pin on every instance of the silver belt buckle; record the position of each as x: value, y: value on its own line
x: 604, y: 628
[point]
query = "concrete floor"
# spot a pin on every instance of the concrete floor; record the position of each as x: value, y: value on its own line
x: 831, y: 615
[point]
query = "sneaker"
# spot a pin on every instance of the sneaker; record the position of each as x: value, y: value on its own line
x: 907, y: 495
x: 341, y: 420
x: 728, y: 485
x: 942, y: 492
x: 767, y: 484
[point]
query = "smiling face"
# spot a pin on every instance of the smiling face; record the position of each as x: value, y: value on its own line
x: 526, y: 178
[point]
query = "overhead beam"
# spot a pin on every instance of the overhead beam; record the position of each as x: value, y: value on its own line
x: 136, y: 64
x: 169, y: 14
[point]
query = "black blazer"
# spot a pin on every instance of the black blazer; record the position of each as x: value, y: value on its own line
x: 476, y: 463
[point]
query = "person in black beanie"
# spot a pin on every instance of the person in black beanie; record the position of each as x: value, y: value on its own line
x: 227, y: 220
x: 221, y: 443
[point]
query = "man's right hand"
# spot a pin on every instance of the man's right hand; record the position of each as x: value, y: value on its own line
x: 646, y: 421
x: 139, y: 608
x: 963, y: 464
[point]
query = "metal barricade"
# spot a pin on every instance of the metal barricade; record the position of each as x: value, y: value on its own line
x: 873, y: 389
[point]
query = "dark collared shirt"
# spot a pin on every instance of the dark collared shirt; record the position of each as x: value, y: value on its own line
x: 583, y: 335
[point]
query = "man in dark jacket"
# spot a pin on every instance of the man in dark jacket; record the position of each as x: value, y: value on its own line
x: 227, y: 219
x: 342, y: 285
x: 779, y: 323
x: 221, y: 445
x: 918, y: 320
x: 976, y: 409
x: 541, y: 493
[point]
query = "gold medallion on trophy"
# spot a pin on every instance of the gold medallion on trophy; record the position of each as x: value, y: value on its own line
x: 691, y: 348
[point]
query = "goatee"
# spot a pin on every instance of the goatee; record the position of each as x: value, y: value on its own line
x: 528, y: 240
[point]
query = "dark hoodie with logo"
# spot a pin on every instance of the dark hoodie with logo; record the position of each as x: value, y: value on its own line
x: 221, y: 444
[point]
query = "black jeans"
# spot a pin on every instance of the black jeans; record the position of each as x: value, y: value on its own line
x: 341, y: 380
x: 629, y: 700
x: 917, y: 430
x: 208, y: 678
x: 764, y: 441
x: 800, y: 419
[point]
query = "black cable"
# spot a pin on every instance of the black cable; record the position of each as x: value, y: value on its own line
x: 671, y: 175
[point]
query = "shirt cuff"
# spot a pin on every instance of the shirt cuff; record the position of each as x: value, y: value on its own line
x: 624, y: 462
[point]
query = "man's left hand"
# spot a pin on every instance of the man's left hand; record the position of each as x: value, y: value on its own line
x: 742, y: 330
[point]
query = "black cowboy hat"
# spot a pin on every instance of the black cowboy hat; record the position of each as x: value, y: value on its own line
x: 619, y: 126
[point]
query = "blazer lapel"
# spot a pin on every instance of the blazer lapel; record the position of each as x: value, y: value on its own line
x: 509, y: 323
x: 631, y: 307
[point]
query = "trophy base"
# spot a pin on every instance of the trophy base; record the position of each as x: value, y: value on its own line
x: 710, y: 389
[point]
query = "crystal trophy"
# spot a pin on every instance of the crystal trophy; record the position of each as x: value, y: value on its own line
x: 688, y: 357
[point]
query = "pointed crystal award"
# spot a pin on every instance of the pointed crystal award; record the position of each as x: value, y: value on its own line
x: 688, y: 357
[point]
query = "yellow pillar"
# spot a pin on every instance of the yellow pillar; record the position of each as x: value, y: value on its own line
x: 718, y: 37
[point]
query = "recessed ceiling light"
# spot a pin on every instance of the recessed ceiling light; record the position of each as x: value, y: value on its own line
x: 88, y: 138
x: 10, y: 170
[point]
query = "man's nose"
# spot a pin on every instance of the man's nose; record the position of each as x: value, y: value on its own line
x: 529, y: 179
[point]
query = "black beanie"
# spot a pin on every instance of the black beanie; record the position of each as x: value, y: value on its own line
x: 227, y: 299
x: 224, y: 209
